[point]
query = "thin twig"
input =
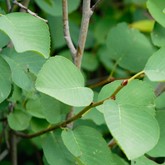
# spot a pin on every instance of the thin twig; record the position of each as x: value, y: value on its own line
x: 68, y: 116
x: 26, y: 4
x: 136, y: 75
x: 28, y: 11
x: 4, y: 154
x: 160, y: 89
x: 8, y: 3
x: 101, y: 83
x: 66, y: 28
x: 112, y: 143
x: 86, y: 14
x: 93, y: 8
x: 75, y: 117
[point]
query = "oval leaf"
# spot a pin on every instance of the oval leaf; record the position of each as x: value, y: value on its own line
x: 143, y: 161
x: 125, y: 43
x: 26, y: 32
x: 130, y: 119
x: 88, y: 145
x: 4, y: 39
x: 155, y: 68
x: 5, y: 79
x: 156, y: 8
x: 158, y: 35
x: 55, y: 151
x: 61, y: 79
x: 159, y: 149
x: 19, y: 120
x: 23, y: 67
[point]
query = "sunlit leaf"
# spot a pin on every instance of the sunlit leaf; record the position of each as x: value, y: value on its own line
x: 155, y: 68
x: 130, y: 48
x: 27, y: 32
x: 130, y: 118
x: 156, y: 8
x: 88, y: 145
x: 61, y: 79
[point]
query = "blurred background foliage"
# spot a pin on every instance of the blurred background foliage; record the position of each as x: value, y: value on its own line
x: 111, y: 18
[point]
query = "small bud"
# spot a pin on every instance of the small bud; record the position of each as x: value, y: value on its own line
x: 113, y: 97
x: 124, y: 83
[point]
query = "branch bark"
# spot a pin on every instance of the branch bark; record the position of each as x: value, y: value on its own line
x: 75, y: 117
x: 66, y: 28
x: 13, y: 148
x: 28, y: 11
x: 96, y: 5
x: 86, y: 15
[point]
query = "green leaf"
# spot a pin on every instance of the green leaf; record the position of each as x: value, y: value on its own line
x: 102, y: 27
x: 143, y: 161
x: 130, y: 119
x: 48, y: 108
x: 55, y: 151
x: 23, y: 66
x: 89, y: 62
x: 155, y: 68
x: 124, y: 43
x: 74, y: 30
x: 158, y: 35
x: 5, y: 79
x: 33, y: 107
x: 105, y: 59
x: 53, y: 110
x: 54, y: 7
x: 27, y: 32
x: 160, y: 104
x: 4, y: 39
x: 106, y: 92
x: 19, y: 120
x: 159, y: 149
x: 156, y: 8
x: 143, y: 25
x: 37, y: 124
x: 71, y: 142
x: 55, y: 24
x: 61, y: 79
x: 88, y: 145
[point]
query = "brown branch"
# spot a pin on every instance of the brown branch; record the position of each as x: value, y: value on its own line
x: 13, y: 148
x: 73, y: 118
x: 28, y: 11
x: 101, y: 83
x: 76, y: 54
x: 86, y: 14
x: 66, y: 28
